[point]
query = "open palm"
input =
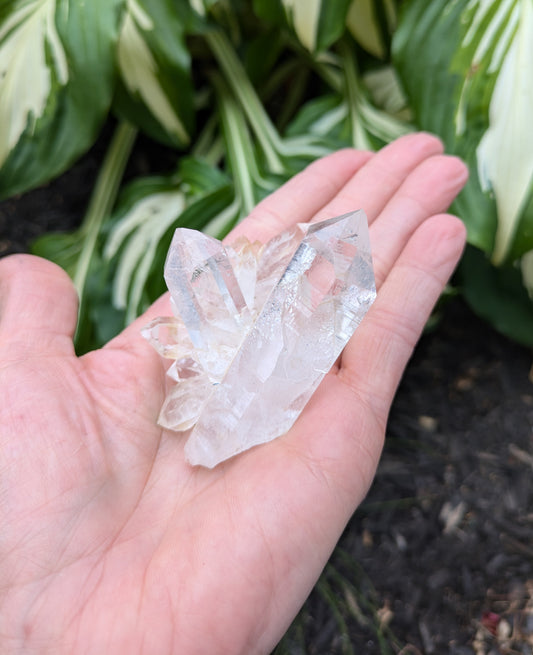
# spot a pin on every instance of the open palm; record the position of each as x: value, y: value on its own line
x: 109, y: 541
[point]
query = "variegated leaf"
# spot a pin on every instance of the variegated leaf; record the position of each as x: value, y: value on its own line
x: 316, y: 23
x: 139, y: 232
x: 371, y: 22
x: 387, y: 93
x: 55, y: 84
x: 467, y: 68
x: 304, y: 16
x: 154, y: 65
x: 503, y: 49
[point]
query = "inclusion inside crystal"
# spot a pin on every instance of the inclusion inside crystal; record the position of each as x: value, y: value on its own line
x: 256, y: 329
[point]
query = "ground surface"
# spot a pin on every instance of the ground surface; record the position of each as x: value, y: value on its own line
x: 439, y: 559
x: 443, y: 544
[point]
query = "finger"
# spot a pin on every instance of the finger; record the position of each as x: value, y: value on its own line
x: 375, y: 183
x: 38, y: 307
x: 428, y: 190
x: 374, y: 359
x: 298, y: 200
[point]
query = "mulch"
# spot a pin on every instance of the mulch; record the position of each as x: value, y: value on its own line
x: 446, y: 532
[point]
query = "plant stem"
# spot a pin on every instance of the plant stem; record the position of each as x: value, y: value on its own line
x: 103, y: 197
x: 237, y: 139
x: 327, y: 67
x: 353, y: 94
x: 365, y: 118
x: 241, y: 86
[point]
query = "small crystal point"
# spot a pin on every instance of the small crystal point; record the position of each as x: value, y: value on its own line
x: 305, y: 323
x: 207, y: 296
x: 168, y: 336
x: 184, y: 403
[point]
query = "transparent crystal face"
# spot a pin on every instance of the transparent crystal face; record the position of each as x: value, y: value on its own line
x: 264, y: 324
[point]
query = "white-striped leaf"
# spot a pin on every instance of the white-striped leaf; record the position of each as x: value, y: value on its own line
x: 304, y: 16
x: 155, y: 90
x: 371, y: 23
x: 316, y: 23
x: 467, y: 66
x: 139, y: 233
x: 387, y: 93
x: 56, y: 84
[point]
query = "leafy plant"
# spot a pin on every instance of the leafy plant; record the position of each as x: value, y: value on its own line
x: 246, y: 93
x: 154, y: 87
x: 245, y: 143
x: 466, y: 67
x: 56, y: 85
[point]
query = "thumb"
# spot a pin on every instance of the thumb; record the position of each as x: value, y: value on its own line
x: 38, y: 307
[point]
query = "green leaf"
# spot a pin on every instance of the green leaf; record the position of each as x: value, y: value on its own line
x: 316, y: 23
x: 139, y: 233
x: 370, y: 127
x: 371, y: 23
x: 270, y: 11
x: 261, y: 54
x: 138, y: 277
x: 155, y: 89
x: 475, y: 91
x: 526, y: 266
x: 198, y: 177
x: 62, y: 248
x: 332, y: 21
x: 98, y: 320
x: 77, y: 252
x: 327, y: 117
x: 497, y: 295
x: 56, y: 85
x: 386, y: 91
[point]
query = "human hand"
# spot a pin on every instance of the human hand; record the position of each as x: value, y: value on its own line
x: 109, y: 541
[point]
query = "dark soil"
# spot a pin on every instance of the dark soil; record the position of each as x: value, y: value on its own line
x: 439, y: 558
x: 446, y: 533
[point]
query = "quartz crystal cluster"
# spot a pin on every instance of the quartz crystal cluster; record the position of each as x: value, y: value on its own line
x: 255, y: 329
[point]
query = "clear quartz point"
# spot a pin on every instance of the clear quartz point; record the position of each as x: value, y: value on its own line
x: 207, y: 296
x: 167, y: 334
x: 265, y: 324
x: 184, y: 403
